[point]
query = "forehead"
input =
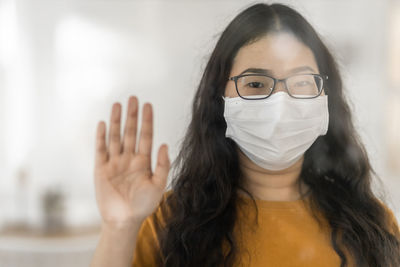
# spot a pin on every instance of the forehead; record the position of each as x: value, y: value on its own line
x: 279, y: 52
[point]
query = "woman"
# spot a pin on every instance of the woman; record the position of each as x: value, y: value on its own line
x: 271, y: 171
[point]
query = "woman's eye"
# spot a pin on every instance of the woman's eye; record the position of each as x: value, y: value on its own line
x: 255, y: 85
x: 302, y: 83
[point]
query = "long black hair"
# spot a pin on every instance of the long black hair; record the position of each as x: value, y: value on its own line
x: 204, y: 190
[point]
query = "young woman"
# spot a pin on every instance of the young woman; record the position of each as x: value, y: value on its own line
x: 271, y: 171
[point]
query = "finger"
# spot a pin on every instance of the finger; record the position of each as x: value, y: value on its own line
x: 101, y: 149
x: 115, y: 128
x: 146, y: 132
x: 162, y: 169
x: 129, y: 141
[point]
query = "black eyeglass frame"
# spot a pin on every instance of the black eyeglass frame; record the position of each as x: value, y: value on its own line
x: 322, y: 76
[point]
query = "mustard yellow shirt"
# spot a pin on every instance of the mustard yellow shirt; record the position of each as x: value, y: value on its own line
x: 287, y: 235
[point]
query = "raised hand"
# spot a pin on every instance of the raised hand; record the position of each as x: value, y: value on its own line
x: 127, y: 191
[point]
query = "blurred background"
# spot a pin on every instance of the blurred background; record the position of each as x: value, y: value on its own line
x: 63, y: 63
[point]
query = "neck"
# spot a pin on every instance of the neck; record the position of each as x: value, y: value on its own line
x: 283, y: 185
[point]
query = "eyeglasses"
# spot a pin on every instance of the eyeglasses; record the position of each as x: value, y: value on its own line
x: 260, y: 86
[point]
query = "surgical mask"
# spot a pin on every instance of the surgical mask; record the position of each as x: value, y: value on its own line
x: 275, y: 132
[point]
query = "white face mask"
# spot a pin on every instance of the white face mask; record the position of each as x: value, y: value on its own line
x: 275, y: 132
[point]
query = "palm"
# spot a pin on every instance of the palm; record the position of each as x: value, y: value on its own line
x: 126, y: 187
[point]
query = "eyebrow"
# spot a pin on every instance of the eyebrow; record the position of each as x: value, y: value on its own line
x: 269, y: 72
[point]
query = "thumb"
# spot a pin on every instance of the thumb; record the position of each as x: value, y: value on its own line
x: 162, y: 168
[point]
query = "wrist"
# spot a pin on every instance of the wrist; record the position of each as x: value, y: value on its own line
x: 132, y: 225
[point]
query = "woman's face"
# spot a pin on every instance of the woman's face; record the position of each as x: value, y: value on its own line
x: 280, y: 54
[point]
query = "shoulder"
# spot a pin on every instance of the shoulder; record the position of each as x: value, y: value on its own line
x: 394, y: 225
x: 162, y: 211
x: 159, y: 215
x: 157, y: 218
x: 391, y: 221
x: 147, y: 249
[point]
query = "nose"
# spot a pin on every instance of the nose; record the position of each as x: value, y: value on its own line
x: 280, y: 87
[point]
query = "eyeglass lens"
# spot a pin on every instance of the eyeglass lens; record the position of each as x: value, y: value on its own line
x: 257, y: 86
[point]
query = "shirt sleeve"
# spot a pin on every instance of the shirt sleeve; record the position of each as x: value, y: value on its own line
x: 147, y: 248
